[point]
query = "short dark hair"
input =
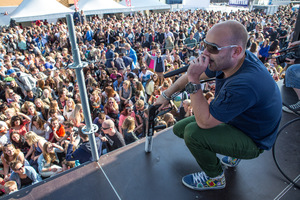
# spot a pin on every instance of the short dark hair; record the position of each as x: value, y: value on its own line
x: 81, y: 134
x: 101, y: 115
x: 68, y: 123
x: 130, y: 75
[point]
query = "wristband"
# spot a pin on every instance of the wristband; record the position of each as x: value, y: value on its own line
x: 49, y: 169
x: 165, y: 96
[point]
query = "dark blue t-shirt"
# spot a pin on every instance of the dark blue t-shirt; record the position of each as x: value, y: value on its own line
x: 109, y: 58
x: 249, y: 100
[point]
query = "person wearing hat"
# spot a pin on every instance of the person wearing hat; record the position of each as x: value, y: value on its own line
x: 10, y: 71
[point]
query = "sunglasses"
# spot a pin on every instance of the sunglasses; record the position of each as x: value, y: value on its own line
x: 213, y: 48
x: 110, y: 102
x: 105, y: 128
x: 20, y: 168
x: 5, y: 145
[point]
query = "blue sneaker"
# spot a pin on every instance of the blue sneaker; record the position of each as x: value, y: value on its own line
x: 230, y: 162
x: 200, y: 181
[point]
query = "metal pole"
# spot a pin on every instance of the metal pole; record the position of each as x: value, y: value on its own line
x: 89, y: 129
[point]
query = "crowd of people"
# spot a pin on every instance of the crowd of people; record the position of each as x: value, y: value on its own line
x: 41, y: 112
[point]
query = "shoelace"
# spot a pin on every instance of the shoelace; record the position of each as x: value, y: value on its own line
x: 200, y: 177
x: 295, y: 106
x: 232, y: 161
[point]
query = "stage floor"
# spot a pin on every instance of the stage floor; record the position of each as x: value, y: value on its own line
x: 131, y: 174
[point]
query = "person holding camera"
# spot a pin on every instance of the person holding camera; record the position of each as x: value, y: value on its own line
x: 83, y: 153
x: 292, y: 79
x: 243, y: 119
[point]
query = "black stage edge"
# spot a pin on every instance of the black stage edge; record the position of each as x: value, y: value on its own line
x: 131, y: 174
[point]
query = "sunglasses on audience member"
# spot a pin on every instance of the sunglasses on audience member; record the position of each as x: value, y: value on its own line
x: 105, y: 128
x: 213, y: 48
x: 5, y: 145
x: 20, y: 168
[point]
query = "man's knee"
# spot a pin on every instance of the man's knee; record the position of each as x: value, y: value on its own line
x: 177, y: 130
x: 193, y: 134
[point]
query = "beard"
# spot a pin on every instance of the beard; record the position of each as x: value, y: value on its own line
x: 220, y: 63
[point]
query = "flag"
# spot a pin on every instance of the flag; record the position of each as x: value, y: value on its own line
x: 76, y: 4
x: 128, y: 3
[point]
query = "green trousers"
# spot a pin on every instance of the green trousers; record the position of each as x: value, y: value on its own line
x: 224, y: 139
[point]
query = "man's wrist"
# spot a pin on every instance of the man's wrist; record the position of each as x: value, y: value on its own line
x: 193, y: 80
x: 165, y: 96
x: 167, y: 93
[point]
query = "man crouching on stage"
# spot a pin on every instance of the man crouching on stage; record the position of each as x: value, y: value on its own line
x: 242, y: 121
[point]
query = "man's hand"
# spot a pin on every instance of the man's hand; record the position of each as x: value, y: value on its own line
x: 72, y: 138
x: 290, y: 61
x: 294, y: 44
x: 104, y: 139
x: 54, y: 169
x: 161, y: 101
x: 66, y: 142
x: 197, y: 67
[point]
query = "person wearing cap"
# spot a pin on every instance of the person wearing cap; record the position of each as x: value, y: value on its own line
x: 25, y: 81
x: 10, y: 72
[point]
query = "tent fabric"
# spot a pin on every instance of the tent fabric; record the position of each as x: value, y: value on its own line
x: 139, y: 5
x: 91, y: 7
x: 31, y: 10
x: 195, y: 4
x: 5, y: 19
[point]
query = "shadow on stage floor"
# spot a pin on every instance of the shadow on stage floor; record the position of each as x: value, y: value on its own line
x: 129, y: 173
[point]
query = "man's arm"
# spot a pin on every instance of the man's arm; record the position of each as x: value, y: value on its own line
x: 178, y: 85
x: 199, y: 103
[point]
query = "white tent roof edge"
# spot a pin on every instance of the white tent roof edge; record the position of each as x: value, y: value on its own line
x: 106, y: 11
x: 40, y: 17
x: 30, y: 10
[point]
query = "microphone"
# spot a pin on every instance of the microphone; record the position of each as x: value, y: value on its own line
x: 177, y: 71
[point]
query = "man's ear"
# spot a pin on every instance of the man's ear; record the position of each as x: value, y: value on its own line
x: 237, y: 51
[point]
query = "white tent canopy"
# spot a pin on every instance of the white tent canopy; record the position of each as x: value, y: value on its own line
x: 91, y: 7
x: 139, y: 5
x: 5, y: 19
x: 195, y: 4
x: 31, y: 10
